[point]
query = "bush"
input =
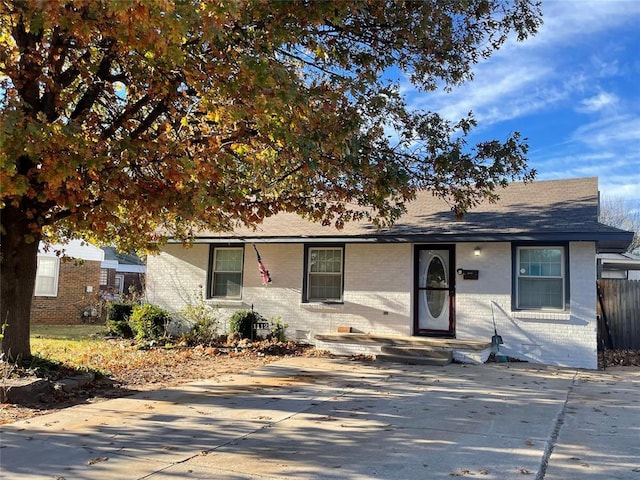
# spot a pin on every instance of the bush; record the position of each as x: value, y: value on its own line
x: 278, y: 330
x: 242, y: 321
x: 149, y: 322
x: 203, y: 332
x: 118, y: 315
x: 201, y: 320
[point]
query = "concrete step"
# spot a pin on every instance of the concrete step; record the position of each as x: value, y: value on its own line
x: 413, y: 359
x: 399, y: 340
x: 431, y: 352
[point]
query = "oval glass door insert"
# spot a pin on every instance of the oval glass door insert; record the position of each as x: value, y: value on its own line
x: 436, y: 278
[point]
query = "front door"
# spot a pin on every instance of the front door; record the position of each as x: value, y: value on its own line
x: 434, y: 292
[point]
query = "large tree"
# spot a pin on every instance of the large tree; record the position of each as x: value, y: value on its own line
x: 121, y: 119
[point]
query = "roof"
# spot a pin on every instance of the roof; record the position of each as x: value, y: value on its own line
x: 111, y: 253
x: 552, y: 210
x: 620, y: 261
x: 122, y: 262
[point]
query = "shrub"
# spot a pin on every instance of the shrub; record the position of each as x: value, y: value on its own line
x: 149, y: 322
x: 201, y: 320
x: 118, y: 315
x: 203, y: 332
x: 278, y: 330
x: 242, y: 321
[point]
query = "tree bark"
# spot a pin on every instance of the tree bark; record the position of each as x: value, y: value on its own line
x: 18, y: 264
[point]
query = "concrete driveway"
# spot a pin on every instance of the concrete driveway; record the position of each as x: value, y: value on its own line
x: 339, y: 419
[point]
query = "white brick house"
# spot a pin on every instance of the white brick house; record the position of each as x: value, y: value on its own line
x: 528, y: 260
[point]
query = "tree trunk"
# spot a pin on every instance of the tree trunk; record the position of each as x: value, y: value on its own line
x: 19, y: 260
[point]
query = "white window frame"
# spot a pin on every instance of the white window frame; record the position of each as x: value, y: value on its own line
x: 118, y: 283
x: 40, y: 289
x: 520, y: 274
x: 212, y: 288
x: 308, y: 274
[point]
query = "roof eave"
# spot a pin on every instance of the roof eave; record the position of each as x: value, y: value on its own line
x: 606, y: 242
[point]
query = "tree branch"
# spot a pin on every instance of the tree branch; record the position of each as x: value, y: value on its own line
x: 95, y: 89
x: 129, y: 112
x: 159, y: 109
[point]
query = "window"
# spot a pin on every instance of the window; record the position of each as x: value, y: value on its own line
x: 324, y: 279
x: 47, y: 277
x: 104, y: 277
x: 118, y: 283
x: 540, y: 278
x: 226, y: 272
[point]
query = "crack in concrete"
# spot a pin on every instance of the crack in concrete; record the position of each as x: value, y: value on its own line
x: 555, y: 432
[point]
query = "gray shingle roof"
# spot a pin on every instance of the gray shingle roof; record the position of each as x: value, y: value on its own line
x: 559, y: 210
x: 110, y: 253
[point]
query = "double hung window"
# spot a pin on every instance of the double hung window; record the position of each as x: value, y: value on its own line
x: 324, y: 274
x: 47, y: 277
x: 540, y: 278
x: 226, y: 272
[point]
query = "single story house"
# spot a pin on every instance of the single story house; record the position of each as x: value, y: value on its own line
x: 620, y: 266
x: 526, y: 262
x: 67, y: 283
x: 121, y: 273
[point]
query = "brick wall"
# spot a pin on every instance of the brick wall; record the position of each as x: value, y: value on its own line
x: 72, y: 299
x: 378, y: 296
x: 563, y: 339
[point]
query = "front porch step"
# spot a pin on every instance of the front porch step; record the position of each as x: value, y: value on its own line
x: 405, y: 341
x: 415, y: 355
x: 405, y: 349
x: 441, y: 353
x: 415, y: 359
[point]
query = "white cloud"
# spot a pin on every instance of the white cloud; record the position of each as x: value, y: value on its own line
x: 523, y: 78
x: 496, y: 93
x: 610, y: 131
x: 572, y: 21
x: 597, y: 103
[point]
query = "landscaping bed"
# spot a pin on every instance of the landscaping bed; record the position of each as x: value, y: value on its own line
x: 621, y: 358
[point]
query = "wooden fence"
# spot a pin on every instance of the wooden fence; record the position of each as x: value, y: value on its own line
x: 621, y: 303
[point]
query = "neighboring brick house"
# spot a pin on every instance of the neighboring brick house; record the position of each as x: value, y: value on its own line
x: 67, y: 284
x: 528, y: 260
x: 121, y: 274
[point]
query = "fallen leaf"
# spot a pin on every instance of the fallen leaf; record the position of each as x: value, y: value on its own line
x: 97, y: 460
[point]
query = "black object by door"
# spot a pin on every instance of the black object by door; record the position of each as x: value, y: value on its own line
x: 434, y: 291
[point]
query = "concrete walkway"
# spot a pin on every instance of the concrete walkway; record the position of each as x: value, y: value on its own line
x: 308, y: 418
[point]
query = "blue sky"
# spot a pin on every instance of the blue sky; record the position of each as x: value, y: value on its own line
x: 573, y: 90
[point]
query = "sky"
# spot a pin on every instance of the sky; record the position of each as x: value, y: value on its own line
x: 573, y: 91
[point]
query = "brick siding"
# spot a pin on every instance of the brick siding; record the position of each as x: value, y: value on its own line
x: 72, y: 299
x: 378, y: 296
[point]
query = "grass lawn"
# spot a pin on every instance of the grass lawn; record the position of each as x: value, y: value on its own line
x: 82, y: 347
x: 67, y: 332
